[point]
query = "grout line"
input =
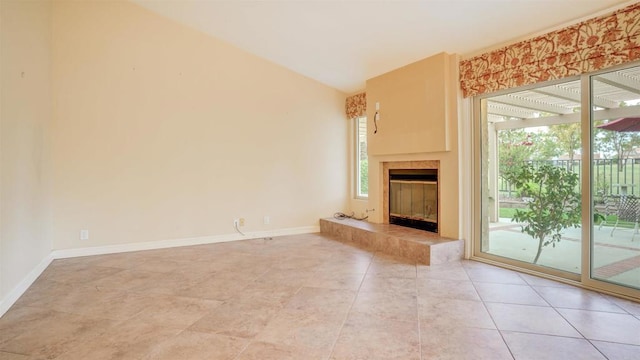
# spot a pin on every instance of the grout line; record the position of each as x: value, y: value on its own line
x: 613, y: 302
x: 484, y: 305
x: 569, y: 322
x: 597, y: 349
x: 536, y: 292
x: 350, y: 307
x: 557, y: 312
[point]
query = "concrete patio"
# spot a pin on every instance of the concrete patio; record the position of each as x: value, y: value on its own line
x: 616, y: 258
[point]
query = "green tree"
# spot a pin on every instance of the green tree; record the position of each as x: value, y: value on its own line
x: 618, y: 144
x: 566, y: 139
x: 514, y: 148
x: 554, y: 205
x: 544, y: 146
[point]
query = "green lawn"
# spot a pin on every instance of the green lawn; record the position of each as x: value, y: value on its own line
x: 507, y: 212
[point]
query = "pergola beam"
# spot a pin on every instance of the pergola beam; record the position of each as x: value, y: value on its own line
x: 496, y: 109
x: 620, y: 81
x: 530, y: 104
x: 574, y: 96
x: 628, y: 111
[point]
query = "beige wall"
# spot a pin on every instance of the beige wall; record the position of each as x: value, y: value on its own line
x: 441, y: 77
x: 25, y: 112
x: 160, y: 132
x: 413, y: 114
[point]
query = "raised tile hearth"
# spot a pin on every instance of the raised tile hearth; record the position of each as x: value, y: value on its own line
x: 418, y: 246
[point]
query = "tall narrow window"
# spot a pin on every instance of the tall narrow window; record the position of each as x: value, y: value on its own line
x: 362, y: 164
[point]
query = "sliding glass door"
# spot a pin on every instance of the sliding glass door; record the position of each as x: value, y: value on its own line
x: 615, y: 168
x: 559, y: 173
x: 531, y: 141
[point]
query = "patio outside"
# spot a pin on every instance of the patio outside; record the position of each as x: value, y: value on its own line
x: 618, y: 260
x: 618, y: 249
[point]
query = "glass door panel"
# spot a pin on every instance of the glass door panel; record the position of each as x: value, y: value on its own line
x: 615, y: 139
x: 530, y: 174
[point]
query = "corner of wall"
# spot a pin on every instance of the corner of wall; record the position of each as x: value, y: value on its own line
x: 7, y: 301
x: 25, y: 120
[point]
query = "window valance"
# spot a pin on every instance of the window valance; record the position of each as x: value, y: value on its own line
x: 587, y: 46
x: 356, y: 105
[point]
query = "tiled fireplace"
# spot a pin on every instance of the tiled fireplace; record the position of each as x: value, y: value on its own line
x: 423, y: 247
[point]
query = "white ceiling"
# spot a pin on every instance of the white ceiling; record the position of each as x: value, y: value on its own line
x: 342, y: 43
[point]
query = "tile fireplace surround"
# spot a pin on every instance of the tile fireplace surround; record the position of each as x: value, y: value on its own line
x: 395, y: 165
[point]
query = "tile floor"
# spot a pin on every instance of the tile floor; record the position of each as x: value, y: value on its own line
x: 307, y: 297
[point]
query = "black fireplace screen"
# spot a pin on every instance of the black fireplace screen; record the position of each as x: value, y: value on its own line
x: 413, y: 198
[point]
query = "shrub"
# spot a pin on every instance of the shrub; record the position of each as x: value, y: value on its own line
x: 554, y: 203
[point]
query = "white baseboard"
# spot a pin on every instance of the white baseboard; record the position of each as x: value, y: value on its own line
x: 22, y: 287
x: 15, y: 294
x: 164, y: 244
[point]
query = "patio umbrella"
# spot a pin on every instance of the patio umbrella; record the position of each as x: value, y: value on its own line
x: 627, y: 124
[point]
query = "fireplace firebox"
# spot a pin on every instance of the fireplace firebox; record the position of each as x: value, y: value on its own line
x: 413, y: 198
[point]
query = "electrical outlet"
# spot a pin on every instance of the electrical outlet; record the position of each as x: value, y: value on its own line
x: 236, y: 222
x: 266, y: 220
x: 84, y: 234
x: 241, y: 221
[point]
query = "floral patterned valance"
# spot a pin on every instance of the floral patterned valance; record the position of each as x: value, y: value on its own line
x: 356, y: 105
x: 587, y: 46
